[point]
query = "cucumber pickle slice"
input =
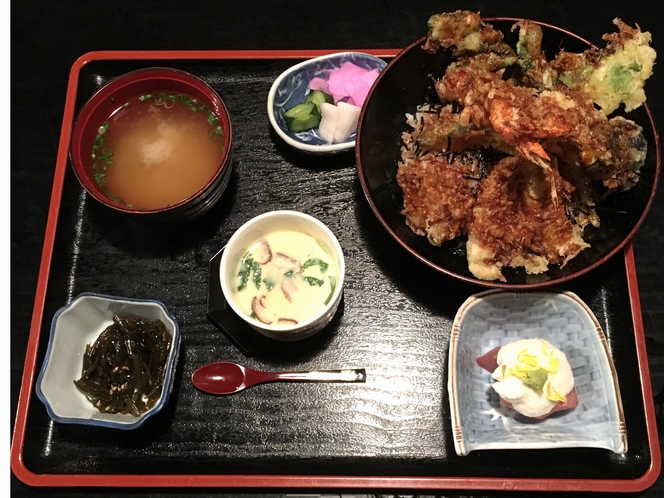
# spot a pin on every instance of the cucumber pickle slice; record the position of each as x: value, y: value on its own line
x: 318, y: 97
x: 302, y: 117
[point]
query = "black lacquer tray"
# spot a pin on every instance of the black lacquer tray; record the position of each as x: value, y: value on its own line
x: 392, y: 432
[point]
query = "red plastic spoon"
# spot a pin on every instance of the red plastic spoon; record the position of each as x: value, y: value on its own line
x: 229, y: 378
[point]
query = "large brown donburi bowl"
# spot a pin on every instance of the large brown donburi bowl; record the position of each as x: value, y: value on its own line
x: 407, y: 82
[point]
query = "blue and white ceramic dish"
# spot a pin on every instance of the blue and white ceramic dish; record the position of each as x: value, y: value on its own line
x: 73, y: 327
x: 291, y: 88
x: 494, y: 318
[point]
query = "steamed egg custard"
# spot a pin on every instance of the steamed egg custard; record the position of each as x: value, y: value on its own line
x: 532, y: 375
x: 285, y: 278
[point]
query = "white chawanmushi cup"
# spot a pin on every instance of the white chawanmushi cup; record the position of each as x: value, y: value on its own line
x: 250, y: 233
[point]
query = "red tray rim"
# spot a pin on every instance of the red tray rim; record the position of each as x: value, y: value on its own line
x: 275, y: 482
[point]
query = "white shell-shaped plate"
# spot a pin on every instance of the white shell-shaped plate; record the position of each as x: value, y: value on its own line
x: 495, y: 318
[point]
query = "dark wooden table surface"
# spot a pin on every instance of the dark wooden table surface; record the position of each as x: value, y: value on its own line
x: 48, y: 36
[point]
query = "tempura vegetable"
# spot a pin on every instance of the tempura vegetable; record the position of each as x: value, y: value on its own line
x: 614, y: 75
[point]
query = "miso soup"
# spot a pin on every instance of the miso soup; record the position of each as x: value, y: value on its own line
x: 157, y: 150
x: 285, y: 278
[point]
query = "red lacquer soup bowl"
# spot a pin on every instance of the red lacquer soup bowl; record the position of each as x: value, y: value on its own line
x: 154, y: 144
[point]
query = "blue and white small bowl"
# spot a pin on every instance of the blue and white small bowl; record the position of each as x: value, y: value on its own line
x: 73, y: 327
x: 494, y: 318
x: 291, y: 88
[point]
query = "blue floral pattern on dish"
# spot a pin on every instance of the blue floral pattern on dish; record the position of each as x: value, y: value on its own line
x: 495, y: 318
x: 293, y: 86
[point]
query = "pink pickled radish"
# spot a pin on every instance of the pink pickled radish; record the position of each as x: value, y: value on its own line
x: 348, y: 83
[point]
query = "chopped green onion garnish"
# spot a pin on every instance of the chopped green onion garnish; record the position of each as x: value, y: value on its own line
x: 333, y: 285
x: 315, y: 281
x: 315, y: 261
x: 257, y: 274
x: 244, y: 273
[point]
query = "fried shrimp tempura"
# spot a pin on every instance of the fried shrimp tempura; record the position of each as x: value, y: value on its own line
x: 551, y: 120
x: 537, y: 125
x: 515, y: 222
x: 520, y: 115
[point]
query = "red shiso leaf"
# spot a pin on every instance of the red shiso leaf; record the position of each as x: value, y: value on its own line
x: 571, y: 402
x: 489, y: 361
